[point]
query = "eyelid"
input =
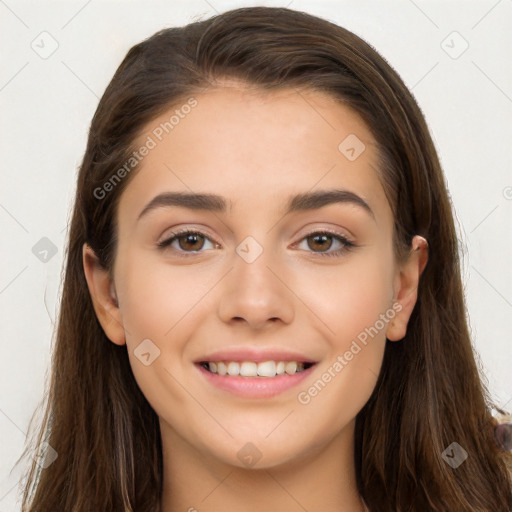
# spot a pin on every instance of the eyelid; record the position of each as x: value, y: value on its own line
x: 172, y: 232
x: 340, y: 232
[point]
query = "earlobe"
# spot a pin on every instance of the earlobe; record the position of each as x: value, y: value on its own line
x: 103, y: 296
x: 406, y: 288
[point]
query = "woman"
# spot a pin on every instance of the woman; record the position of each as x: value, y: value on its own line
x: 262, y: 306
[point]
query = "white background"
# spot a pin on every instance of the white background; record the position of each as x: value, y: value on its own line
x: 47, y: 105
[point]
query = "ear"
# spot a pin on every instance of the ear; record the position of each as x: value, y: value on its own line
x: 103, y: 295
x: 406, y: 288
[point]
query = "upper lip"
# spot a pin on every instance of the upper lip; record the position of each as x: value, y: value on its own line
x: 258, y: 355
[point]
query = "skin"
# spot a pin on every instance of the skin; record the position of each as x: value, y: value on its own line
x: 256, y: 149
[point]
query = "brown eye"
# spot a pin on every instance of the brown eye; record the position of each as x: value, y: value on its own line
x: 192, y: 241
x: 187, y: 242
x: 320, y: 242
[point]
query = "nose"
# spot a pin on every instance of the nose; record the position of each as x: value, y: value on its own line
x: 256, y: 293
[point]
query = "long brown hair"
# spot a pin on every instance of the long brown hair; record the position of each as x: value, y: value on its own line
x: 429, y: 393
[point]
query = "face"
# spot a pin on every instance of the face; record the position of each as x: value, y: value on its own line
x: 261, y: 277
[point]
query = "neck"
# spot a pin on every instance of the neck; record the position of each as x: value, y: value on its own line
x: 318, y: 481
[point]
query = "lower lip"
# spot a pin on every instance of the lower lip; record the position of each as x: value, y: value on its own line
x: 255, y: 387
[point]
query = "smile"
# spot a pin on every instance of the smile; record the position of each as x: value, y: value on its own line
x: 264, y: 380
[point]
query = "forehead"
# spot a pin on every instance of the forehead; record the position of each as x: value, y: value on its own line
x: 251, y: 145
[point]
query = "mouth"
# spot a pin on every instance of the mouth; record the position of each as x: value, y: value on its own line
x: 248, y: 379
x: 252, y: 369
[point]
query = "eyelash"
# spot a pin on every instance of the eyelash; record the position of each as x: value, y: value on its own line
x: 347, y: 244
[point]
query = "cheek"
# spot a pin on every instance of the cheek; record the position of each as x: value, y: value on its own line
x: 353, y: 304
x: 158, y: 303
x: 154, y: 296
x: 350, y: 297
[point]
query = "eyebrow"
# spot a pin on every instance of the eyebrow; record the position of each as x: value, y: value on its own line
x: 215, y: 203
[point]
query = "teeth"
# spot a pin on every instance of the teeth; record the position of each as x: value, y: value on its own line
x: 290, y: 368
x: 233, y: 368
x: 267, y: 369
x: 221, y: 368
x: 252, y: 369
x: 248, y: 369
